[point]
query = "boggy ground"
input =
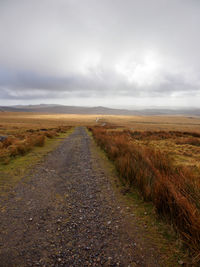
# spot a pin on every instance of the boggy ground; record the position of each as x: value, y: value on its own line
x: 66, y: 213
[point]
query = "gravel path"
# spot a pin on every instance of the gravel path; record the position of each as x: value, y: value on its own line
x: 66, y: 213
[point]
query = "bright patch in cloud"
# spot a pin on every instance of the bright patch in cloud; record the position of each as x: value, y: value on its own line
x: 144, y: 71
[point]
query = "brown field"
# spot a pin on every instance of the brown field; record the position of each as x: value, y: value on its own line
x: 17, y: 120
x: 184, y: 150
x: 157, y: 154
x: 154, y: 123
x: 23, y: 132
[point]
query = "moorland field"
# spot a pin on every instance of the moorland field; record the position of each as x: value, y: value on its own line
x: 157, y: 154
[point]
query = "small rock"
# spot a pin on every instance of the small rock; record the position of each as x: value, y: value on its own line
x: 30, y: 219
x: 3, y: 138
x: 109, y: 222
x: 181, y: 262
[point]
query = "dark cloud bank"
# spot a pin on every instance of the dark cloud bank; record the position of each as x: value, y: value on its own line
x: 91, y: 52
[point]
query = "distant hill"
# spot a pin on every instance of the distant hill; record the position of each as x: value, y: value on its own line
x: 52, y: 108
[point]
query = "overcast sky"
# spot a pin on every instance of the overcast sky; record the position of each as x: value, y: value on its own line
x: 100, y: 52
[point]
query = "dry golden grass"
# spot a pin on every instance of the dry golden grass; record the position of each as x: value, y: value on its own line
x: 17, y: 120
x: 183, y: 149
x: 24, y: 131
x: 11, y: 122
x: 173, y: 188
x: 19, y: 144
x: 18, y: 123
x: 155, y: 123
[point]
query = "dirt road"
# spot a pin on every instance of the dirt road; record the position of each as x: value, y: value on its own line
x: 66, y: 213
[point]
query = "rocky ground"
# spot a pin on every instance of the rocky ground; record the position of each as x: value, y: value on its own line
x: 66, y: 213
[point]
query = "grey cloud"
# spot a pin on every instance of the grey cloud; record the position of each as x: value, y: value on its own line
x: 71, y: 49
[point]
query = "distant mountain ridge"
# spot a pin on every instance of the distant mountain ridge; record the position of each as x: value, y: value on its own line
x: 53, y: 108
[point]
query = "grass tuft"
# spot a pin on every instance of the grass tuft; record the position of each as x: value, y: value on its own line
x: 174, y: 190
x: 20, y: 144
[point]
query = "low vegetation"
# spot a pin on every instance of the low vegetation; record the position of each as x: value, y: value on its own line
x: 173, y: 187
x: 21, y: 142
x: 157, y: 154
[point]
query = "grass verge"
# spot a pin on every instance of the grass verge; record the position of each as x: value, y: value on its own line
x: 160, y: 234
x: 19, y: 166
